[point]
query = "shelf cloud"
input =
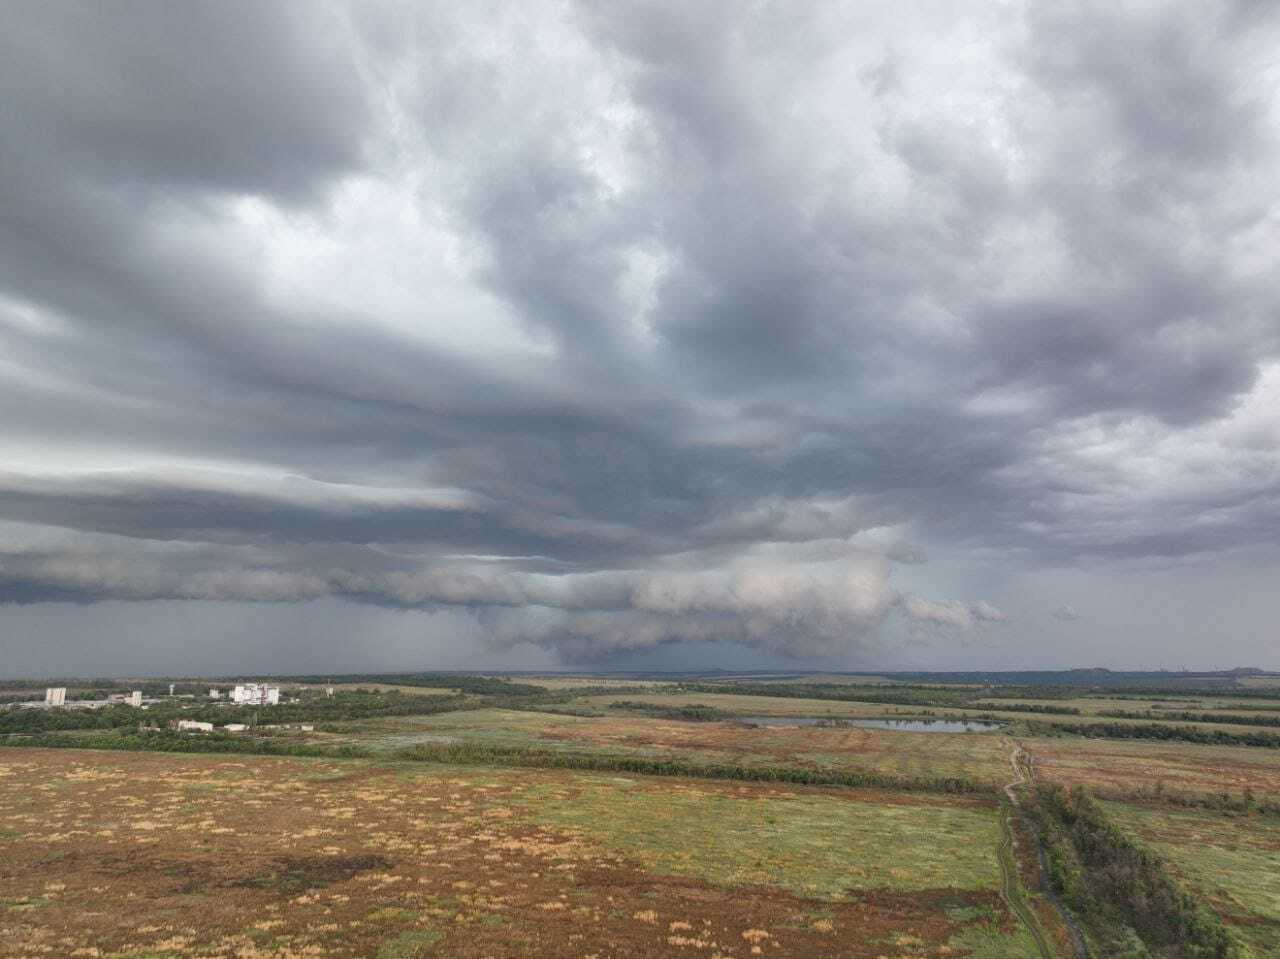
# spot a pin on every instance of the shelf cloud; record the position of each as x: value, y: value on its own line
x: 803, y: 328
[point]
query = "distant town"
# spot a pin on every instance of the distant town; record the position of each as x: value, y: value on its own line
x: 241, y: 695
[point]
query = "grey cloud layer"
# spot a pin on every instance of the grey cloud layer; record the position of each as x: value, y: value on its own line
x: 621, y: 324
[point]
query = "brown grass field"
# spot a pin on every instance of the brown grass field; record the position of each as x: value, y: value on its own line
x: 1219, y: 705
x: 149, y: 855
x: 1113, y: 767
x: 1231, y: 861
x: 755, y: 705
x: 981, y: 757
x: 1121, y: 767
x: 569, y: 683
x: 777, y: 706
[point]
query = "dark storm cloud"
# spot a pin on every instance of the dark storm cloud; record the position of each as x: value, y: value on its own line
x: 245, y: 98
x: 627, y: 324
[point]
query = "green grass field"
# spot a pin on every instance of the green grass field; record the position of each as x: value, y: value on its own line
x: 982, y: 757
x: 754, y: 705
x: 1232, y: 861
x: 811, y: 845
x: 1094, y: 705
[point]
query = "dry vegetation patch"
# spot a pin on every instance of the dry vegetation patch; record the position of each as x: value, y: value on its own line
x: 922, y: 755
x: 1232, y: 861
x: 1122, y: 767
x: 153, y: 855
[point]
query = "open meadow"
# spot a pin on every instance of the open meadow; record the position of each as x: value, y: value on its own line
x: 748, y: 705
x: 980, y: 757
x: 1230, y: 860
x: 570, y: 683
x: 1127, y: 767
x: 455, y: 815
x: 153, y: 855
x: 1211, y: 715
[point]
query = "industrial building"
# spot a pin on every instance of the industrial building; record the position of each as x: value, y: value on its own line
x: 192, y: 726
x: 255, y: 694
x: 55, y: 696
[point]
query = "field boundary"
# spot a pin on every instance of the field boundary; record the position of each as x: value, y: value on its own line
x: 1010, y: 883
x: 513, y: 757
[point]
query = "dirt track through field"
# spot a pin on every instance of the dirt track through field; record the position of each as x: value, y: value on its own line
x: 1010, y: 884
x: 1023, y: 774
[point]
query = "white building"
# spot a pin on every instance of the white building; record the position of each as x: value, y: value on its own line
x: 234, y: 727
x: 55, y: 696
x: 135, y: 698
x: 254, y: 694
x: 192, y: 725
x: 215, y: 694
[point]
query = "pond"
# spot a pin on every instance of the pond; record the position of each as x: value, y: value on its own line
x: 902, y: 725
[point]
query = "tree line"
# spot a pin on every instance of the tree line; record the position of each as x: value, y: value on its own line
x: 1117, y: 887
x: 1156, y: 731
x: 480, y: 754
x: 1192, y: 717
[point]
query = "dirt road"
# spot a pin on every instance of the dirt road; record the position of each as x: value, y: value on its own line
x: 1020, y: 762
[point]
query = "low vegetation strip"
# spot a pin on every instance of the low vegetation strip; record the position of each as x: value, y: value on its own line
x: 1118, y: 889
x: 1192, y: 717
x: 1042, y: 709
x: 1223, y: 801
x: 895, y: 695
x: 1157, y: 731
x: 164, y: 741
x: 488, y: 755
x: 695, y: 713
x: 472, y: 753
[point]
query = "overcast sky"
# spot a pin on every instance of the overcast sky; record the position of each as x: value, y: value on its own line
x: 413, y: 335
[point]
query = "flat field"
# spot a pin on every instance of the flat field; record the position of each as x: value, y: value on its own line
x: 1092, y: 706
x: 384, y: 688
x: 1231, y: 861
x: 1121, y: 767
x: 841, y: 679
x: 569, y: 683
x: 745, y: 705
x: 982, y: 757
x: 740, y: 705
x: 160, y: 855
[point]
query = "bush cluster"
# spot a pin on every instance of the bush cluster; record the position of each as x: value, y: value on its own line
x: 1113, y: 884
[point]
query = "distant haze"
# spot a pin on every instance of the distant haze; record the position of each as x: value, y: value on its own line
x: 844, y: 335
